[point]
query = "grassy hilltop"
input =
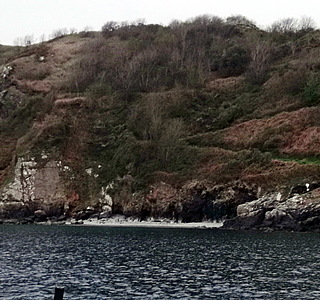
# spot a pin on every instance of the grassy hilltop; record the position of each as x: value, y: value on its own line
x: 206, y: 99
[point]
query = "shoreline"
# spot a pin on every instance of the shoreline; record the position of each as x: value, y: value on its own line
x: 116, y: 221
x: 151, y: 224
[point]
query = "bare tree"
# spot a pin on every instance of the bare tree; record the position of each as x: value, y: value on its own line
x: 28, y: 40
x: 205, y: 20
x: 181, y: 30
x: 292, y: 25
x: 87, y: 28
x: 59, y: 33
x: 260, y: 61
x: 73, y: 30
x: 288, y: 25
x: 18, y: 42
x: 42, y: 38
x: 109, y: 28
x: 307, y: 24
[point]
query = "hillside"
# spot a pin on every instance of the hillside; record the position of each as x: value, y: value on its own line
x: 206, y: 119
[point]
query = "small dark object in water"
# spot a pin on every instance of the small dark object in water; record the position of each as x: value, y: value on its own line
x: 58, y: 293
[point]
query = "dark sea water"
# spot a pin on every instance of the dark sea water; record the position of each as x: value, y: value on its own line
x: 157, y: 263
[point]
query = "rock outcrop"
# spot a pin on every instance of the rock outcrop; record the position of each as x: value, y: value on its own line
x: 37, y: 192
x: 298, y: 212
x: 195, y: 201
x: 33, y: 189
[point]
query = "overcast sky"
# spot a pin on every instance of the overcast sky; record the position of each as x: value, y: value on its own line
x: 19, y: 18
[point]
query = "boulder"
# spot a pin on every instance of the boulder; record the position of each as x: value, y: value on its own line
x: 105, y: 215
x: 252, y: 221
x: 61, y: 218
x: 85, y: 214
x: 40, y: 215
x: 11, y: 221
x: 26, y: 221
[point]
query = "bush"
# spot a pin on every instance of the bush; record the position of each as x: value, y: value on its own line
x: 98, y: 90
x: 251, y: 160
x: 311, y: 91
x: 37, y: 72
x: 234, y: 61
x: 291, y: 82
x: 228, y: 116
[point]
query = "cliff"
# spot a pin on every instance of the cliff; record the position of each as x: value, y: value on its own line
x: 208, y: 119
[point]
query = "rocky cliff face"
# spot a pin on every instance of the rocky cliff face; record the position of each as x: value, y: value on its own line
x: 195, y: 201
x: 33, y: 187
x: 298, y: 212
x: 45, y: 186
x: 39, y: 191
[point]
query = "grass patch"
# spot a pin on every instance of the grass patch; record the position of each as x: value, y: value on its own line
x: 301, y: 161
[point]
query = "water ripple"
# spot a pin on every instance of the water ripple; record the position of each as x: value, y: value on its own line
x: 141, y: 263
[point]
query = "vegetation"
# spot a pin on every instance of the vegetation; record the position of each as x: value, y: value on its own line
x: 144, y: 99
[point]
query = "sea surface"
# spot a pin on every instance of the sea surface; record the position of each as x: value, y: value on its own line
x: 156, y: 263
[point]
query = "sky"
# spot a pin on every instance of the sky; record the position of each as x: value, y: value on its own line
x: 19, y: 18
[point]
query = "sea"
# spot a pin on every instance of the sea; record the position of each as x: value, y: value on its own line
x: 97, y: 262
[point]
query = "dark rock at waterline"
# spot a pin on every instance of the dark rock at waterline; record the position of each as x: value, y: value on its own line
x: 57, y: 219
x: 81, y: 215
x: 61, y: 218
x: 11, y: 221
x: 311, y: 224
x: 40, y: 216
x: 217, y: 203
x: 196, y: 201
x: 249, y: 222
x: 85, y: 215
x: 195, y: 210
x: 104, y: 215
x: 15, y: 211
x: 28, y: 220
x: 287, y: 224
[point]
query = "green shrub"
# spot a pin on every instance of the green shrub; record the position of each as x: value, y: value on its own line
x: 228, y: 116
x: 234, y: 61
x: 249, y: 160
x: 98, y: 90
x: 311, y: 91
